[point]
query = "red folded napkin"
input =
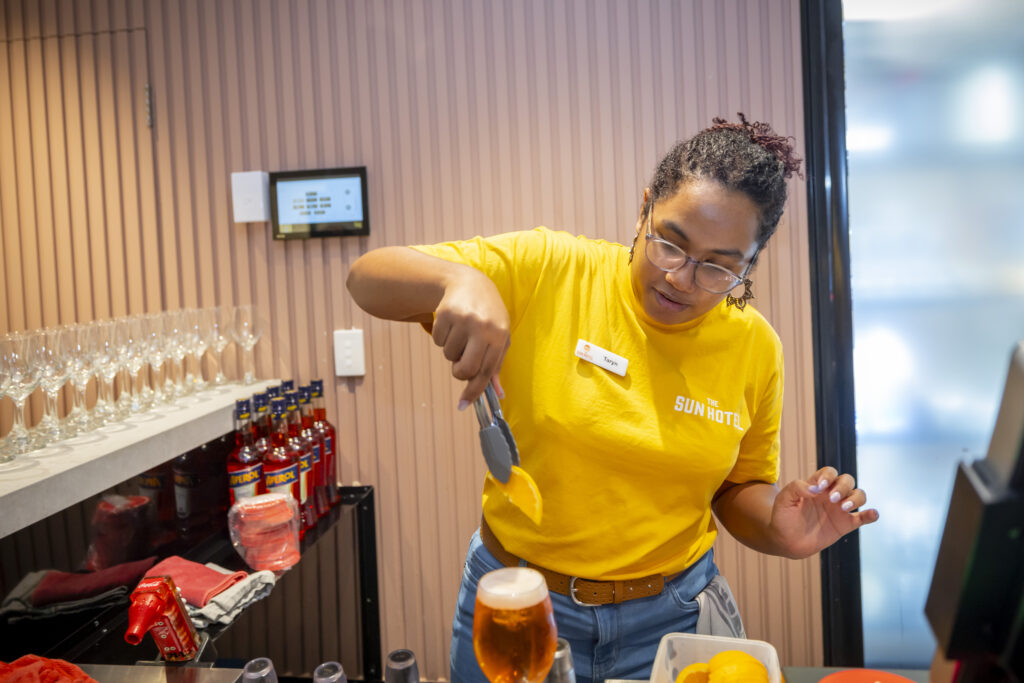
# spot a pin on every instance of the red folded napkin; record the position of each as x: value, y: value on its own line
x: 197, y: 583
x: 58, y: 586
x: 36, y: 669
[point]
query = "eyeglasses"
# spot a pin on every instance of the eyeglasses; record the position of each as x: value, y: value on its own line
x: 668, y: 257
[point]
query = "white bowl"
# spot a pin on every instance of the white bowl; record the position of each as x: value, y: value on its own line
x: 678, y: 650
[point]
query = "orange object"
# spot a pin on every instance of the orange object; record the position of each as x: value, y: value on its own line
x: 36, y: 669
x: 864, y: 676
x: 157, y: 608
x: 695, y: 673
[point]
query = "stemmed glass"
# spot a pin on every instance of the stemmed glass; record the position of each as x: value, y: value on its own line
x: 56, y: 355
x: 514, y: 634
x: 136, y: 347
x: 201, y: 325
x: 176, y: 344
x: 246, y: 331
x: 107, y: 366
x: 220, y: 319
x: 22, y: 358
x: 82, y: 354
x: 157, y: 356
x: 122, y: 334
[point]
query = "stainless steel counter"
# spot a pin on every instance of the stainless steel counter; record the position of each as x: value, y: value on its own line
x: 109, y: 673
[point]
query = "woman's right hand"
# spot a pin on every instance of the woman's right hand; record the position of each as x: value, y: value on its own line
x: 471, y: 324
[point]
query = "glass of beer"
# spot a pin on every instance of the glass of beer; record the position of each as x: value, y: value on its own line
x: 514, y: 635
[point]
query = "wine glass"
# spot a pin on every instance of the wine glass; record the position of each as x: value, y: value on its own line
x: 202, y: 325
x: 136, y: 355
x: 156, y: 357
x: 22, y: 358
x: 56, y: 355
x: 246, y: 331
x: 122, y: 334
x: 514, y: 634
x: 219, y: 338
x: 176, y: 344
x: 82, y: 357
x: 107, y: 366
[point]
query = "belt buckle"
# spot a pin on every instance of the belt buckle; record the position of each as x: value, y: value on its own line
x: 572, y: 594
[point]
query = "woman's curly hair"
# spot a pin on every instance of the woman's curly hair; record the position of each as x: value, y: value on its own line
x: 747, y: 157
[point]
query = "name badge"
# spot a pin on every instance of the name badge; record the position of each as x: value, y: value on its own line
x: 592, y: 353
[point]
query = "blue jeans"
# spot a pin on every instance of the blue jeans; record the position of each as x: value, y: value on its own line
x: 607, y: 641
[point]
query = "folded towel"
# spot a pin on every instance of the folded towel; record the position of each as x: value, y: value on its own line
x: 36, y: 669
x: 224, y: 607
x: 58, y: 586
x: 196, y: 582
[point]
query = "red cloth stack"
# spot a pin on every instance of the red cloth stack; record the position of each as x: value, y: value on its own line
x: 36, y: 669
x: 265, y: 531
x: 58, y: 586
x: 197, y: 583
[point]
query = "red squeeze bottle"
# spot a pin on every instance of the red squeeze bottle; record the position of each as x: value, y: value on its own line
x: 306, y: 510
x: 326, y: 429
x: 157, y: 608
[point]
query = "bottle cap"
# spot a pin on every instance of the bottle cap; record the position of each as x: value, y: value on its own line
x: 242, y: 409
x: 273, y: 392
x: 144, y: 611
x: 304, y: 394
x: 317, y: 385
x: 292, y: 399
x: 277, y: 406
x: 288, y: 385
x: 261, y: 400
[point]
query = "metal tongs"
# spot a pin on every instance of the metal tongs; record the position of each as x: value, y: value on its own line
x: 496, y: 439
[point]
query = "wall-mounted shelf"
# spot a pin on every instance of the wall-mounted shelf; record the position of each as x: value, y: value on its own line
x: 36, y: 485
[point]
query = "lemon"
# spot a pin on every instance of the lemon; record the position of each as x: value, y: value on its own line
x: 734, y: 666
x: 695, y: 673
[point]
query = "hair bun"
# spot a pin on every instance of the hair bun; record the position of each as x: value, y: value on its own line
x: 762, y: 134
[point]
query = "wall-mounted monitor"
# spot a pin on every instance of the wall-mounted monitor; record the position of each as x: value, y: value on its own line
x: 324, y: 202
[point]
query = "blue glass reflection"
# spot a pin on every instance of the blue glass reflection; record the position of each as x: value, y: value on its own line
x: 935, y: 119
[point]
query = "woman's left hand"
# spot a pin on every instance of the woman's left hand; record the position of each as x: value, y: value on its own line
x: 810, y: 515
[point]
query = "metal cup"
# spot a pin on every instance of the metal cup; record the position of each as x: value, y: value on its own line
x: 562, y: 670
x: 400, y: 667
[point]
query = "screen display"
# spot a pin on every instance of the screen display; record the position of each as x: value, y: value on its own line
x: 319, y: 203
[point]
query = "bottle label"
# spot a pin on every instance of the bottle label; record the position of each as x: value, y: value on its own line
x: 245, y: 482
x: 280, y: 481
x: 330, y: 444
x: 186, y: 493
x: 306, y: 465
x: 316, y: 453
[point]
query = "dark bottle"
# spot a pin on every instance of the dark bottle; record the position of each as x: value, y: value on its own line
x: 306, y: 510
x: 281, y: 464
x: 245, y: 467
x: 329, y: 435
x: 316, y: 443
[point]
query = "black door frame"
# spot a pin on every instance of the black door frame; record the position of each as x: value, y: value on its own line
x: 831, y: 308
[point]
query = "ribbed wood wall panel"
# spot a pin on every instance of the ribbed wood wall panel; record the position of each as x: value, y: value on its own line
x: 472, y: 118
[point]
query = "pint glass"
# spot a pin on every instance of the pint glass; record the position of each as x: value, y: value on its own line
x: 514, y: 635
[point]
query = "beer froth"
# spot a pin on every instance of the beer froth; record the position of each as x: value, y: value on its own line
x: 512, y: 588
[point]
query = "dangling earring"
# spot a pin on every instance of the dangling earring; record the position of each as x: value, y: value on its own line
x: 741, y: 303
x: 633, y: 247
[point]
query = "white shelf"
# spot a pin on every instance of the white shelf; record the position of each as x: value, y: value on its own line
x: 36, y: 485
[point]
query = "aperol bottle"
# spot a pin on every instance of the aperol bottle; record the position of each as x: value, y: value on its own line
x: 329, y: 435
x: 315, y: 442
x: 245, y: 467
x: 281, y: 464
x: 306, y: 510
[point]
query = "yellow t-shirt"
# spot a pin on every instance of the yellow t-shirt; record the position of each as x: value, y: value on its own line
x: 627, y: 466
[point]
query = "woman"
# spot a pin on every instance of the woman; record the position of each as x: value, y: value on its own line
x: 643, y: 397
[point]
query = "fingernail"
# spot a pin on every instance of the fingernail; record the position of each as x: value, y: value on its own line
x: 834, y: 497
x: 463, y: 405
x: 848, y: 505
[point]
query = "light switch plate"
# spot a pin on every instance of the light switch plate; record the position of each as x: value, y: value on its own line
x: 349, y: 355
x: 250, y: 195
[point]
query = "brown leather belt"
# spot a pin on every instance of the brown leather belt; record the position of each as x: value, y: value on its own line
x: 582, y: 591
